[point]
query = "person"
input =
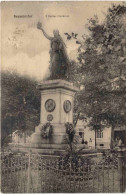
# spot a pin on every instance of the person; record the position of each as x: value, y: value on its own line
x: 59, y: 60
x: 90, y: 143
x: 116, y: 141
x: 120, y: 142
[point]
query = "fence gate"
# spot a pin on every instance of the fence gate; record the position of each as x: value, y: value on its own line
x: 34, y: 173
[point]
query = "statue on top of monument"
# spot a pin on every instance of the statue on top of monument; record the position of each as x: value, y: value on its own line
x: 59, y: 60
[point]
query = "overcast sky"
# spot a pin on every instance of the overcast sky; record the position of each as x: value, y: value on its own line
x: 24, y: 48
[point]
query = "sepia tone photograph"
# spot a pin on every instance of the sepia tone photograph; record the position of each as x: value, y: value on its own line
x: 63, y: 97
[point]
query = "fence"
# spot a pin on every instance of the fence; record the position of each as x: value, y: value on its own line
x: 35, y: 173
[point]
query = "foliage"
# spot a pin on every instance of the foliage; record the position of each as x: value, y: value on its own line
x: 47, y: 130
x: 71, y: 139
x: 110, y: 157
x: 102, y: 68
x: 76, y: 162
x: 72, y: 158
x: 20, y: 104
x: 70, y: 131
x: 71, y: 155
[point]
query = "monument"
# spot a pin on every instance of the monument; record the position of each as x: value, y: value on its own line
x: 57, y: 102
x: 59, y: 60
x: 57, y: 98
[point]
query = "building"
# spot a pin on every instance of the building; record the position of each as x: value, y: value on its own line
x: 95, y: 139
x: 120, y: 133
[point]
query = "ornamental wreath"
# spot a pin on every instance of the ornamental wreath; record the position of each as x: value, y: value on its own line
x: 47, y: 130
x: 70, y: 130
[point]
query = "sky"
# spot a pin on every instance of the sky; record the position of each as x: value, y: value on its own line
x: 25, y: 49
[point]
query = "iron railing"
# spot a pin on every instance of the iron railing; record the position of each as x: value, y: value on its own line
x: 35, y: 173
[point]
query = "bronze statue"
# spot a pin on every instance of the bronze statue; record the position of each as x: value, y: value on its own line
x: 58, y: 56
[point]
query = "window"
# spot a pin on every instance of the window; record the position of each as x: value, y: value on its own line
x: 80, y: 134
x: 99, y: 133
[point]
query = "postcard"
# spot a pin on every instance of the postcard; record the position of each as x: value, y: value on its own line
x: 63, y: 96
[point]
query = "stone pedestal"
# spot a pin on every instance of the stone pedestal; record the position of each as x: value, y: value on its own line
x: 57, y: 102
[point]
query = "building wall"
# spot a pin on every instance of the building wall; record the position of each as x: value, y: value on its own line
x: 103, y: 142
x: 87, y: 133
x: 106, y: 140
x: 16, y: 138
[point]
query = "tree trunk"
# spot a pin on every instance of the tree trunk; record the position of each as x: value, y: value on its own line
x: 95, y: 138
x: 25, y: 137
x: 112, y: 136
x: 75, y: 122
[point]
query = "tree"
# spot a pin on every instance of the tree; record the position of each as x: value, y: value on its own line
x: 20, y: 104
x: 102, y: 59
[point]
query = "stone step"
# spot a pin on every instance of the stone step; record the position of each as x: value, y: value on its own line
x: 46, y: 151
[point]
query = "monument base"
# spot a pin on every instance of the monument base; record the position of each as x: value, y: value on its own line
x: 57, y: 103
x: 57, y: 137
x: 37, y: 148
x: 50, y: 150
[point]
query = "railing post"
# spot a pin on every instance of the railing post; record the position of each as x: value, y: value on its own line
x: 121, y: 150
x: 29, y: 169
x: 70, y: 167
